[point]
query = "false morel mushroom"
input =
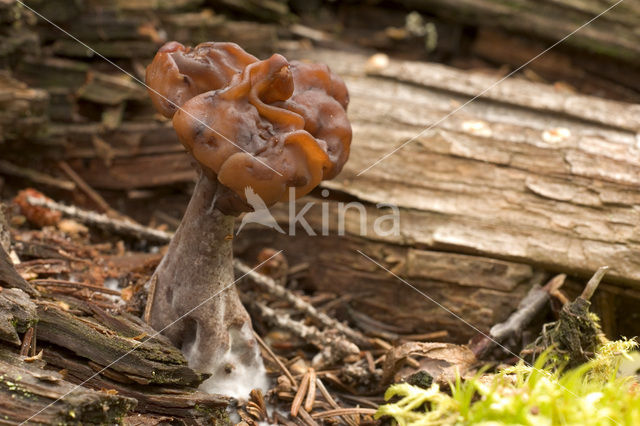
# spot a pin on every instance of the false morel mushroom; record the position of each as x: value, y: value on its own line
x: 269, y: 128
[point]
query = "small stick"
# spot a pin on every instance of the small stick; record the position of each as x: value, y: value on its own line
x: 151, y: 295
x: 284, y: 369
x: 311, y: 394
x: 63, y: 283
x: 334, y: 348
x: 105, y: 222
x: 370, y: 362
x: 593, y: 283
x: 426, y: 336
x: 84, y: 187
x: 26, y: 342
x: 296, y: 405
x: 336, y: 381
x: 35, y: 176
x: 270, y: 286
x: 535, y: 302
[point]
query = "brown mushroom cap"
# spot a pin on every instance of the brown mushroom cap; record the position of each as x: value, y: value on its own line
x: 321, y: 98
x: 178, y: 73
x: 265, y: 125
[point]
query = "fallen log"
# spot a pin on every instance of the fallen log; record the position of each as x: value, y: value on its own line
x: 175, y: 402
x: 29, y: 393
x: 523, y: 182
x: 118, y: 343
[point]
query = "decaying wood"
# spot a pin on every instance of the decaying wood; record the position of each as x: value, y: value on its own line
x: 26, y: 390
x: 587, y: 73
x: 612, y: 35
x: 523, y: 173
x: 522, y: 182
x: 95, y: 348
x: 185, y: 403
x: 105, y: 338
x: 22, y: 109
x: 17, y: 314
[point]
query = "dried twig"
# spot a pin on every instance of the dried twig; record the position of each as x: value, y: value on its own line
x: 531, y: 306
x: 151, y: 296
x: 270, y: 286
x: 593, y: 283
x: 333, y: 347
x: 87, y: 189
x: 64, y: 283
x: 35, y: 176
x: 105, y: 222
x: 283, y: 367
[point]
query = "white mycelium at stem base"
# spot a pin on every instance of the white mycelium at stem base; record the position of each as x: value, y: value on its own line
x: 217, y: 337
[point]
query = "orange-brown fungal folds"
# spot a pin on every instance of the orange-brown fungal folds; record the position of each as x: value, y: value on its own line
x: 179, y: 73
x: 265, y: 125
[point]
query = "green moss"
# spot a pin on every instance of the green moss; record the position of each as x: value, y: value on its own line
x: 591, y: 394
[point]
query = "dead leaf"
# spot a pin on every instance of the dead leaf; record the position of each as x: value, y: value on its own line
x: 439, y: 360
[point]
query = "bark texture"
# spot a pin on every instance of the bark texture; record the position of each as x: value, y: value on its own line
x: 524, y: 181
x: 613, y: 34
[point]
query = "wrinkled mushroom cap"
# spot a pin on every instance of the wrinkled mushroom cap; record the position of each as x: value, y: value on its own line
x: 274, y: 126
x: 178, y: 73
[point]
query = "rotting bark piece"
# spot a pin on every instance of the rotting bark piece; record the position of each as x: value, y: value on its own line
x: 270, y: 127
x: 183, y: 402
x: 17, y: 314
x: 152, y: 360
x: 28, y: 393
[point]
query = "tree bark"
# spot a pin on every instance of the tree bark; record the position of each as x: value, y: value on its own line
x: 523, y: 182
x: 613, y: 34
x: 29, y: 393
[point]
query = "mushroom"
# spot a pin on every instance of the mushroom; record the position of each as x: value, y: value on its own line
x: 251, y: 127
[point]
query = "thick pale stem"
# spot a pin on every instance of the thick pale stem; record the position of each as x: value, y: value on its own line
x: 216, y: 337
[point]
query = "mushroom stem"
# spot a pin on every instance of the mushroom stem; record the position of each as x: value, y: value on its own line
x: 216, y: 337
